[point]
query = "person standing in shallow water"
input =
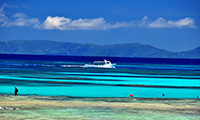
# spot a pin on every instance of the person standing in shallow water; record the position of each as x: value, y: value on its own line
x: 16, y: 91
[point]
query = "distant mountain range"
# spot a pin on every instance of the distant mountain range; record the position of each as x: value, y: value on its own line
x: 46, y: 47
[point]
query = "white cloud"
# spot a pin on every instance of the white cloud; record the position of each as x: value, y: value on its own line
x: 19, y: 15
x: 144, y: 18
x: 186, y: 22
x: 62, y: 23
x: 162, y: 23
x: 88, y: 24
x: 3, y: 17
x: 121, y: 24
x: 2, y: 8
x: 34, y: 22
x: 20, y: 19
x: 143, y: 22
x: 56, y: 23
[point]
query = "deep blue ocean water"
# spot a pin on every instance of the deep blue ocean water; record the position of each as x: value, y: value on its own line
x: 65, y: 76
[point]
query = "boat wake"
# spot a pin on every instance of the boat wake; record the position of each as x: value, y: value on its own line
x: 72, y: 66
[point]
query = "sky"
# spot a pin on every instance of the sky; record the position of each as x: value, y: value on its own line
x: 173, y: 25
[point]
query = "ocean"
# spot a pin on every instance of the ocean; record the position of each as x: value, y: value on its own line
x: 51, y: 75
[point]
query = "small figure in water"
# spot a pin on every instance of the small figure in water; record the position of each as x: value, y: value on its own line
x: 16, y: 91
x: 163, y: 94
x: 131, y: 95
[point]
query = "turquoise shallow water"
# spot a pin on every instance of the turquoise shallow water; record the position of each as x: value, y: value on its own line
x: 52, y: 78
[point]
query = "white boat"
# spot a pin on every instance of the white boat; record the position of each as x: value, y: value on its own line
x: 100, y: 64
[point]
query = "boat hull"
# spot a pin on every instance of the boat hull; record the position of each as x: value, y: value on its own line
x: 98, y: 66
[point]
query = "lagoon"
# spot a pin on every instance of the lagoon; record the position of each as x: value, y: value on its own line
x: 143, y: 80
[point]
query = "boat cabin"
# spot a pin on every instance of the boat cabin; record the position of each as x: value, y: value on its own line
x: 101, y: 62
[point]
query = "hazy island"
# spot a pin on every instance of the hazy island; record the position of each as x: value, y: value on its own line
x: 46, y: 47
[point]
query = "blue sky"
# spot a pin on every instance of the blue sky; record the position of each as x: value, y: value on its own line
x: 167, y: 24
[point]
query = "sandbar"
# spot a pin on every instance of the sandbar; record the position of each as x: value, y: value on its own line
x: 65, y: 107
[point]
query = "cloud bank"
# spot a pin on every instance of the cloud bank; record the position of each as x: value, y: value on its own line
x: 162, y: 23
x: 21, y: 19
x: 63, y: 23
